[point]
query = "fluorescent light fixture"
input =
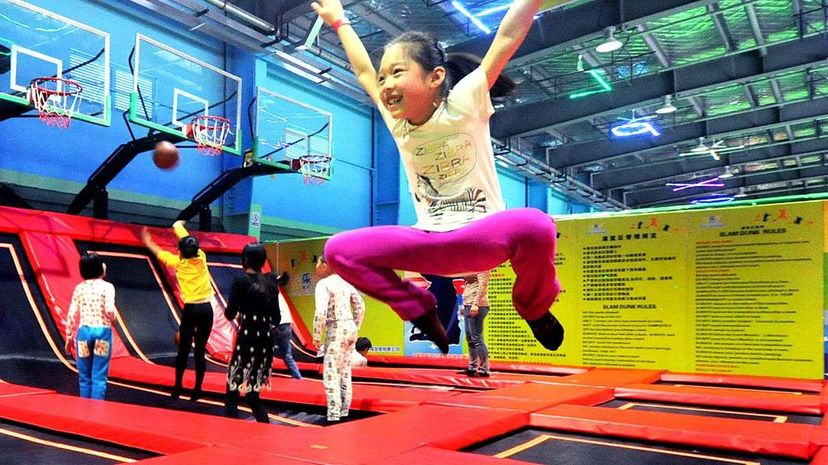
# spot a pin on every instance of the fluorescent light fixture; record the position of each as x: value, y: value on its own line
x: 741, y: 193
x: 635, y: 127
x: 313, y: 33
x: 597, y: 77
x: 715, y: 199
x: 680, y: 186
x: 610, y: 43
x: 668, y: 106
x: 459, y: 7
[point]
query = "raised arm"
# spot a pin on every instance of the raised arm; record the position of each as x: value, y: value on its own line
x: 334, y: 15
x: 510, y: 35
x: 147, y: 238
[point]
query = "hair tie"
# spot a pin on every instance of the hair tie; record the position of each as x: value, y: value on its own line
x: 441, y: 51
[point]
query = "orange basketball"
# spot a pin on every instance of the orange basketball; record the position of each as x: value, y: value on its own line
x: 165, y: 155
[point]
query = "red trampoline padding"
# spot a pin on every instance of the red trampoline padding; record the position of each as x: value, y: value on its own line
x: 425, y: 455
x: 462, y: 362
x: 441, y: 377
x: 13, y: 390
x: 146, y: 428
x: 781, y: 439
x: 300, y: 391
x: 611, y: 377
x: 220, y: 455
x: 531, y: 397
x: 724, y: 397
x: 790, y: 384
x: 821, y: 457
x: 379, y: 438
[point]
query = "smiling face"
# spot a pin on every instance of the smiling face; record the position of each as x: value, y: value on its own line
x: 406, y: 89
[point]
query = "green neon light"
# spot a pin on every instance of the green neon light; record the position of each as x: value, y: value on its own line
x: 597, y: 77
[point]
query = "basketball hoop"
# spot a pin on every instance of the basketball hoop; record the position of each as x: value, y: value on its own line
x: 210, y: 132
x: 315, y: 169
x: 55, y: 99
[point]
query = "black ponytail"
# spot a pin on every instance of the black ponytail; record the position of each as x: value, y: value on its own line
x: 459, y: 65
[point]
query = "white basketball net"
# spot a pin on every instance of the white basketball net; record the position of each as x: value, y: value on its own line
x: 315, y: 169
x: 210, y: 132
x: 55, y: 100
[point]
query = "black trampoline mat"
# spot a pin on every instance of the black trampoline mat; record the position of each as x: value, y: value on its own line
x: 714, y: 411
x: 554, y: 448
x: 33, y: 446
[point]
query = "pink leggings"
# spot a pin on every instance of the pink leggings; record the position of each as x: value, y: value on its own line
x: 367, y: 259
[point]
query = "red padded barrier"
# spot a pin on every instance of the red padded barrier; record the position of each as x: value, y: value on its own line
x: 54, y: 260
x: 462, y: 362
x: 146, y: 428
x: 13, y: 390
x: 432, y: 455
x: 531, y: 397
x: 727, y: 397
x: 441, y: 377
x: 821, y: 457
x: 220, y: 455
x: 379, y: 438
x: 370, y: 398
x: 782, y: 439
x: 790, y: 384
x: 611, y: 377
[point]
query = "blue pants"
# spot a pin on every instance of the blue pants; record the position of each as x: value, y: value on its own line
x: 282, y: 336
x: 478, y: 352
x: 94, y: 348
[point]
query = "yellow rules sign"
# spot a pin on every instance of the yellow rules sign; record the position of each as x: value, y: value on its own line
x: 757, y: 290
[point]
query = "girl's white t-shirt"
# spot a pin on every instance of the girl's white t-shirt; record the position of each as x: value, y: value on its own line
x: 449, y: 161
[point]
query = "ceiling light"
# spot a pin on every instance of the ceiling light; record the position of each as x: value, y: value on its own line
x: 728, y: 173
x: 668, y: 106
x: 459, y: 7
x: 741, y: 193
x: 610, y: 43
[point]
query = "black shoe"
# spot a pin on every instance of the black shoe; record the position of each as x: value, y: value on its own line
x: 176, y: 393
x: 195, y: 395
x: 471, y: 373
x: 429, y: 324
x: 483, y: 374
x: 548, y: 331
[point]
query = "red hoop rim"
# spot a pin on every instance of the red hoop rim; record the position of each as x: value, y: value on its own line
x: 312, y: 176
x: 75, y: 86
x: 210, y: 132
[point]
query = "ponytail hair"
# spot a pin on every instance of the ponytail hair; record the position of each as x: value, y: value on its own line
x: 459, y: 65
x: 422, y: 48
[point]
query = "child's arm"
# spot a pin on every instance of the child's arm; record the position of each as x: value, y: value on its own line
x: 147, y: 238
x: 179, y: 229
x: 320, y: 314
x: 332, y: 12
x: 74, y: 308
x: 358, y: 307
x: 482, y: 286
x: 510, y: 35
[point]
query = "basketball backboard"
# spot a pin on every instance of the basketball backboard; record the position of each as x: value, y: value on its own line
x: 170, y: 89
x: 288, y: 130
x: 38, y: 43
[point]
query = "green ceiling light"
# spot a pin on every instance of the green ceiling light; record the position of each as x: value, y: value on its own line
x: 597, y: 77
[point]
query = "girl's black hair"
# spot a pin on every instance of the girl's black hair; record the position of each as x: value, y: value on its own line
x: 429, y: 54
x: 254, y: 256
x: 91, y: 266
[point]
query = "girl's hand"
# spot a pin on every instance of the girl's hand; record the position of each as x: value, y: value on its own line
x: 330, y: 10
x: 474, y: 310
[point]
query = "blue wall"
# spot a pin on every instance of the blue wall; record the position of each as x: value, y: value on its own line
x: 54, y: 156
x: 368, y: 186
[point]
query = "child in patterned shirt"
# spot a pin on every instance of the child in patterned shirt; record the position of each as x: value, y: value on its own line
x: 93, y: 304
x: 339, y: 312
